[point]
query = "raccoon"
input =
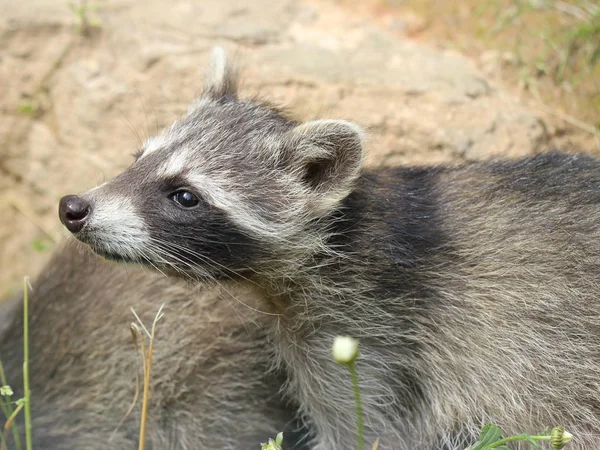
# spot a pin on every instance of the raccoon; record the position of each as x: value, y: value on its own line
x: 473, y: 289
x: 213, y: 384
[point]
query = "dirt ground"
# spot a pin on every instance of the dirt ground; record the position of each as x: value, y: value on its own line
x: 75, y: 106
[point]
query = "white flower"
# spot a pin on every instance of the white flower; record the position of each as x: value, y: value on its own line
x: 6, y: 391
x: 345, y: 349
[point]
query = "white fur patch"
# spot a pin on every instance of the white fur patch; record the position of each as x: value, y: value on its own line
x: 175, y: 164
x: 218, y: 68
x: 314, y: 126
x: 152, y: 144
x: 116, y: 226
x: 213, y: 193
x: 237, y: 207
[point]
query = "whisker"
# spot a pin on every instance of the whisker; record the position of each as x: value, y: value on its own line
x: 187, y: 262
x: 145, y: 112
x: 132, y: 128
x: 208, y: 261
x: 202, y: 257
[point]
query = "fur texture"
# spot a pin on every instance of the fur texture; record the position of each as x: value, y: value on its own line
x: 213, y: 384
x: 473, y: 290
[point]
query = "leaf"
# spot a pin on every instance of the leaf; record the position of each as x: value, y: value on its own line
x: 489, y: 434
x: 533, y: 442
x: 274, y: 444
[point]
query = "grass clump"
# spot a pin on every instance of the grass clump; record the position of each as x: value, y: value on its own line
x: 29, y: 108
x: 83, y: 12
x: 10, y: 408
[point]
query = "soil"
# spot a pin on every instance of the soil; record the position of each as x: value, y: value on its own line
x: 77, y: 101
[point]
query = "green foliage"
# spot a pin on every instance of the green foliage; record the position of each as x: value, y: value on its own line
x: 28, y: 109
x: 276, y: 444
x: 549, y: 48
x: 7, y: 405
x: 489, y: 434
x: 82, y: 10
x: 569, y: 34
x: 490, y: 437
x: 42, y: 245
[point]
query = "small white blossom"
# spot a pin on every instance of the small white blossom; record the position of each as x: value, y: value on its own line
x: 274, y: 444
x: 6, y: 391
x: 345, y: 349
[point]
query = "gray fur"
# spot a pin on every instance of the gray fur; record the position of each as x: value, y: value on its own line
x: 473, y: 290
x: 213, y: 386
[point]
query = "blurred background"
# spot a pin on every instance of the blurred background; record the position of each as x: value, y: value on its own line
x: 83, y: 83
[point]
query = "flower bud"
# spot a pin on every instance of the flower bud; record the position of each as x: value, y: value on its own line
x: 6, y: 391
x: 276, y: 444
x: 345, y: 349
x: 559, y: 437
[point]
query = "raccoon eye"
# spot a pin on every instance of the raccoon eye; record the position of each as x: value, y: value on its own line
x: 185, y: 199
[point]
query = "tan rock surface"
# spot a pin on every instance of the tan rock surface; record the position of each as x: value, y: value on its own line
x: 93, y: 98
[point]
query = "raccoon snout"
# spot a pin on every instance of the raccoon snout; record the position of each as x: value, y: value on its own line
x: 74, y: 212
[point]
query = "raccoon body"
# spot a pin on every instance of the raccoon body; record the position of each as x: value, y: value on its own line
x: 212, y: 383
x: 473, y: 290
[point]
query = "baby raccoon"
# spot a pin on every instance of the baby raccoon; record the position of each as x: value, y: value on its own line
x: 213, y: 386
x: 473, y: 290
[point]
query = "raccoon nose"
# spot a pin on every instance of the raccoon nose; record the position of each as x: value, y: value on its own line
x: 73, y: 212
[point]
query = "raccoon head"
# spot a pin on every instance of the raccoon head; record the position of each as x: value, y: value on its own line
x: 232, y: 187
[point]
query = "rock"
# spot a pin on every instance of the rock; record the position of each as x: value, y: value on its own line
x: 103, y: 94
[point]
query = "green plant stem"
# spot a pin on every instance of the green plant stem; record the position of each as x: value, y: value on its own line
x: 360, y: 427
x: 27, y: 396
x: 520, y: 437
x: 7, y: 409
x: 3, y: 440
x: 11, y: 419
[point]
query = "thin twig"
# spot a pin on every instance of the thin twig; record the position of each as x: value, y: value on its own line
x: 144, y: 417
x: 569, y: 119
x: 572, y: 10
x: 147, y: 366
x: 135, y: 334
x: 10, y: 420
x: 141, y: 324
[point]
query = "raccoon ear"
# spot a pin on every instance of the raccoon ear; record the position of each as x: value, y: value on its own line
x: 327, y: 155
x: 221, y: 78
